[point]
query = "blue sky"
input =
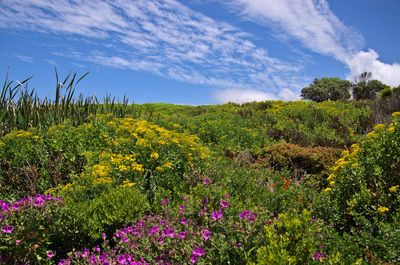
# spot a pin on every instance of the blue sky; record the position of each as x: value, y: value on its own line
x: 198, y: 51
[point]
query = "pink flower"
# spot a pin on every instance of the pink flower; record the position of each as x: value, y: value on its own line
x: 206, y: 234
x: 224, y: 204
x: 7, y: 229
x: 206, y: 181
x: 50, y: 254
x: 216, y: 215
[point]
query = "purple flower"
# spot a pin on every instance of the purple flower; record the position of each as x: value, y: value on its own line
x: 7, y: 229
x: 193, y: 259
x: 248, y: 215
x: 206, y: 181
x: 204, y: 201
x: 121, y: 259
x: 168, y: 232
x: 182, y: 234
x: 165, y: 201
x: 198, y: 251
x: 227, y: 195
x: 93, y: 259
x: 318, y: 256
x: 155, y: 229
x: 216, y: 215
x: 50, y: 254
x: 223, y: 204
x: 206, y: 234
x: 181, y: 207
x: 183, y: 220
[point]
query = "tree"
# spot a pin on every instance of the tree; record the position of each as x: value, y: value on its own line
x: 366, y: 88
x: 324, y: 89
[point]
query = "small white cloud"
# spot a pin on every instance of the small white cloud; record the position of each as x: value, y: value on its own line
x: 241, y: 95
x: 288, y: 95
x: 368, y: 62
x: 27, y: 59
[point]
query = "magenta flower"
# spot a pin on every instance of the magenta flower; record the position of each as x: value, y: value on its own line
x: 168, y: 232
x: 182, y: 234
x: 198, y: 251
x: 121, y: 259
x: 7, y: 229
x: 318, y: 256
x: 165, y: 201
x: 206, y: 234
x: 223, y: 204
x: 227, y: 195
x: 206, y: 181
x: 193, y: 259
x: 50, y: 254
x: 181, y: 207
x: 155, y: 229
x: 217, y: 215
x: 183, y: 220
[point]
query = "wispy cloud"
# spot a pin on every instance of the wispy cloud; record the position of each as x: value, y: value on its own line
x: 23, y: 58
x: 163, y: 37
x: 313, y: 24
x: 309, y: 21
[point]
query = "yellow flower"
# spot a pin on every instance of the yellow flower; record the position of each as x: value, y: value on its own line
x: 327, y: 189
x: 354, y: 165
x: 370, y: 135
x: 154, y: 155
x: 390, y: 129
x: 395, y: 114
x: 122, y: 168
x: 159, y: 168
x: 1, y: 144
x: 332, y: 182
x: 379, y: 127
x: 394, y: 188
x: 168, y: 165
x: 330, y: 177
x: 383, y: 209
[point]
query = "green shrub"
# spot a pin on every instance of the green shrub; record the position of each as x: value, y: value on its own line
x: 292, y: 238
x: 110, y: 210
x: 301, y: 161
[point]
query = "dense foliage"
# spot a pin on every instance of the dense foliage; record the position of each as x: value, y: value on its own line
x: 259, y: 183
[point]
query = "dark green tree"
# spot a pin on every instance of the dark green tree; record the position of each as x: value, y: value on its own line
x: 367, y: 89
x: 324, y: 89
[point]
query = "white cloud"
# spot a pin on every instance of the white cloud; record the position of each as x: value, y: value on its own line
x: 163, y: 37
x: 242, y: 95
x: 288, y: 95
x: 23, y: 58
x: 314, y: 24
x: 368, y: 62
x: 309, y: 21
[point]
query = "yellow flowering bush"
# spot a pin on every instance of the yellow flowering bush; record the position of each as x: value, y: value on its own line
x: 132, y: 151
x: 363, y: 189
